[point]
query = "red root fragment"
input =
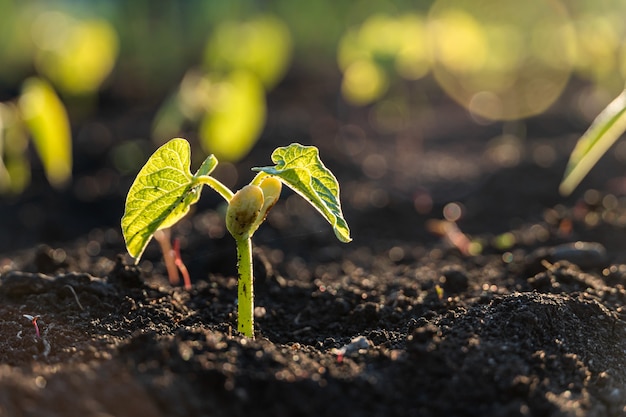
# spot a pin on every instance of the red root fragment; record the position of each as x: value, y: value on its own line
x: 169, y: 257
x: 33, y: 319
x: 451, y: 232
x: 181, y: 266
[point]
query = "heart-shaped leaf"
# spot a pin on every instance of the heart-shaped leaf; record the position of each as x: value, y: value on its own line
x: 300, y: 168
x: 161, y: 194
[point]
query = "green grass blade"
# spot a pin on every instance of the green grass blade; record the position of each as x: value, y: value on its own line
x: 607, y: 127
x: 161, y: 194
x: 300, y: 168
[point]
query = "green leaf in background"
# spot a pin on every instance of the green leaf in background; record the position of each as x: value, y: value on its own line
x: 14, y: 161
x: 261, y: 46
x: 161, y: 194
x: 300, y: 168
x: 76, y: 55
x: 607, y: 127
x: 232, y: 127
x: 46, y: 119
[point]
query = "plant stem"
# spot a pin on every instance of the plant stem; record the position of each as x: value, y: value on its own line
x: 245, y: 295
x: 221, y: 189
x: 258, y: 178
x: 163, y: 237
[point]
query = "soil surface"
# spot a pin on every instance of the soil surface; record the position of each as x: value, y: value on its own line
x: 471, y: 287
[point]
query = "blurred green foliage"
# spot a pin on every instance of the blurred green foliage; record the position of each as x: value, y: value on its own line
x: 39, y: 112
x: 208, y: 65
x: 606, y: 128
x: 501, y: 60
x: 45, y: 117
x: 230, y: 129
x: 226, y: 96
x: 261, y: 46
x: 158, y: 43
x: 75, y: 55
x: 381, y: 42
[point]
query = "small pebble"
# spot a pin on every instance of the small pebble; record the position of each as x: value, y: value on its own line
x: 355, y: 345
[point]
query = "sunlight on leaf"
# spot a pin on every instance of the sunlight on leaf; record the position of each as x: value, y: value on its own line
x: 161, y: 194
x: 607, y: 127
x: 300, y: 168
x: 47, y: 121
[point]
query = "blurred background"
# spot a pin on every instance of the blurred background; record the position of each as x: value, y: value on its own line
x: 411, y: 103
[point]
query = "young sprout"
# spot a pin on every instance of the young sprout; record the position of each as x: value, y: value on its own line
x: 439, y: 291
x: 165, y: 189
x: 33, y: 319
x: 606, y: 128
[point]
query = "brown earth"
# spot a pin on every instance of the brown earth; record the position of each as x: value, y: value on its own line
x: 498, y: 313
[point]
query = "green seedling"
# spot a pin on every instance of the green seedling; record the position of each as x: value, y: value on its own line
x: 165, y: 189
x: 606, y: 128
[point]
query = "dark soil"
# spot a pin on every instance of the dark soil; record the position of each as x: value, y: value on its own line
x: 407, y: 320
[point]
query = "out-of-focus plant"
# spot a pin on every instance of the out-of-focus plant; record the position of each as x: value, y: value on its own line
x: 381, y: 48
x: 501, y: 61
x: 39, y: 113
x: 601, y: 50
x: 47, y: 121
x: 73, y: 55
x: 607, y: 127
x: 225, y: 98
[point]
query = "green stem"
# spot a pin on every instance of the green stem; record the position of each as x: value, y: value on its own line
x: 258, y: 178
x: 221, y: 189
x: 245, y: 295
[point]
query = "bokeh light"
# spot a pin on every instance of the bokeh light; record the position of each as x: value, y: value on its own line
x: 210, y: 67
x: 498, y: 59
x: 225, y: 97
x: 382, y: 48
x: 364, y: 81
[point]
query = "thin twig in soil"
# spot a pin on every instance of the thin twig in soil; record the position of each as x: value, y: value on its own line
x: 75, y: 297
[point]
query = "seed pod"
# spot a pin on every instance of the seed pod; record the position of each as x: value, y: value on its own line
x: 243, y: 210
x: 271, y: 187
